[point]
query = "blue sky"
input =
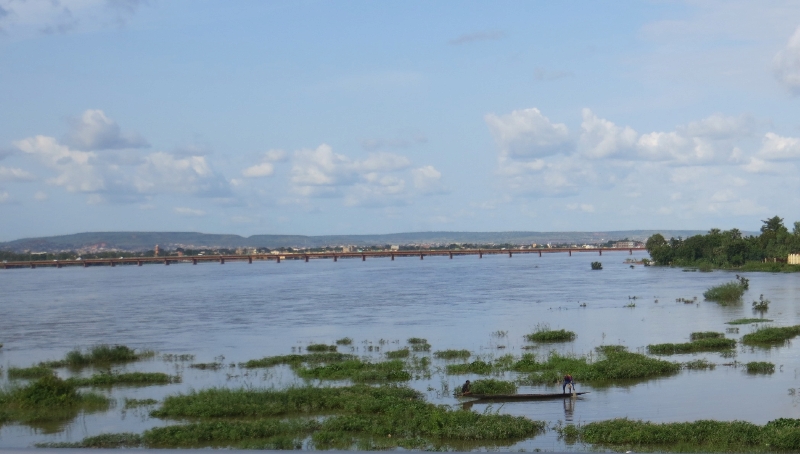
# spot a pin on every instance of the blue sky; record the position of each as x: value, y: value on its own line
x: 303, y: 117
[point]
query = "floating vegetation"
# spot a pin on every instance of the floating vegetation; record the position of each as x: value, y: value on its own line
x: 297, y: 360
x: 100, y: 355
x: 172, y: 357
x: 706, y: 335
x: 398, y: 354
x: 344, y: 341
x: 206, y: 366
x: 417, y: 340
x: 697, y: 436
x: 686, y: 300
x: 48, y: 399
x: 357, y: 371
x: 732, y: 330
x: 597, y: 266
x: 699, y: 364
x: 762, y: 305
x: 419, y: 345
x: 476, y: 367
x: 543, y: 333
x: 30, y: 372
x: 747, y: 321
x: 760, y: 367
x: 321, y: 348
x: 728, y: 293
x: 136, y: 403
x: 714, y: 344
x: 104, y: 441
x: 130, y: 378
x: 491, y: 386
x: 452, y: 354
x: 500, y: 334
x: 771, y: 335
x: 227, y: 432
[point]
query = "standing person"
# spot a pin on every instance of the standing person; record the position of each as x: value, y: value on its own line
x: 568, y: 381
x: 465, y: 389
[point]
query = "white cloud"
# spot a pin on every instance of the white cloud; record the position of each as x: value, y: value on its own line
x: 275, y: 155
x: 13, y: 174
x: 786, y: 64
x: 27, y: 18
x: 5, y: 197
x: 601, y: 138
x: 777, y: 148
x: 428, y: 180
x: 184, y: 211
x: 755, y: 165
x: 720, y: 127
x: 383, y: 161
x: 192, y: 175
x: 527, y: 132
x: 40, y: 196
x: 75, y: 168
x: 95, y: 131
x: 264, y: 169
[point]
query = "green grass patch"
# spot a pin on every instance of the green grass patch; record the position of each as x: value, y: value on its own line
x: 545, y: 334
x: 476, y: 367
x: 321, y: 348
x: 698, y: 436
x: 226, y: 433
x: 417, y: 340
x: 102, y: 355
x: 706, y: 335
x: 136, y: 403
x: 760, y: 367
x: 357, y: 371
x: 713, y: 344
x: 344, y: 341
x: 130, y: 378
x: 298, y: 360
x: 206, y: 366
x: 104, y: 441
x: 48, y: 399
x: 771, y: 335
x: 491, y: 386
x: 452, y: 354
x: 727, y: 293
x: 29, y: 372
x: 699, y: 364
x: 398, y: 354
x: 747, y: 321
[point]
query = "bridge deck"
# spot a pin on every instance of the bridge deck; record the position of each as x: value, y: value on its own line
x: 195, y: 259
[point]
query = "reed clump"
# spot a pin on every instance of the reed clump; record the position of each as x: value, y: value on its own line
x: 477, y: 367
x: 713, y: 344
x: 699, y: 364
x: 48, y: 399
x: 760, y: 367
x: 135, y: 403
x: 358, y: 371
x: 100, y: 355
x: 771, y: 335
x: 728, y: 293
x: 206, y: 366
x: 452, y: 354
x: 698, y: 436
x: 297, y: 360
x: 29, y: 372
x: 103, y: 441
x: 398, y: 354
x: 706, y: 335
x: 130, y: 378
x: 543, y: 333
x: 226, y: 433
x: 344, y: 341
x: 492, y: 386
x: 747, y: 321
x: 321, y: 348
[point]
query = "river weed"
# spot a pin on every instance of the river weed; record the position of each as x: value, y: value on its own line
x: 30, y: 372
x: 398, y: 354
x: 492, y: 386
x: 452, y: 354
x: 543, y: 333
x: 771, y: 335
x: 713, y: 344
x: 321, y: 348
x: 130, y: 378
x: 104, y: 441
x: 344, y: 341
x: 727, y: 293
x: 747, y: 321
x: 103, y: 354
x: 48, y: 399
x: 297, y: 360
x: 706, y: 335
x: 760, y: 367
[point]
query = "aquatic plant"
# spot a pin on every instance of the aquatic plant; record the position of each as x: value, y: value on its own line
x: 206, y: 433
x: 421, y: 347
x: 321, y: 348
x: 747, y: 321
x: 699, y: 364
x: 597, y: 266
x: 48, y: 399
x: 130, y: 378
x: 760, y: 367
x: 29, y: 372
x: 175, y: 357
x: 135, y: 403
x: 728, y: 293
x: 706, y: 335
x: 417, y: 340
x: 762, y: 305
x: 103, y: 354
x: 476, y: 367
x: 206, y: 366
x: 491, y: 386
x: 771, y: 335
x: 452, y: 354
x: 103, y: 441
x: 397, y: 354
x: 344, y: 341
x: 297, y: 360
x: 543, y: 333
x: 714, y: 344
x: 357, y: 371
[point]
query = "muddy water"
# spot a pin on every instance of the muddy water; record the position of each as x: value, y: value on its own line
x: 235, y: 312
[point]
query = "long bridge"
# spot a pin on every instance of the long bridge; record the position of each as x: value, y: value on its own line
x: 306, y: 256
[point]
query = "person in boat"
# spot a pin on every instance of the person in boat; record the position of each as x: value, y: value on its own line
x: 465, y: 390
x: 568, y: 380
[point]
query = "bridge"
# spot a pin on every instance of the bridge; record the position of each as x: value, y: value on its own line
x: 306, y: 256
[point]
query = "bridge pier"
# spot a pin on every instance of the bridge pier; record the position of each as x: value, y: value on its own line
x: 363, y: 257
x: 194, y: 261
x: 335, y: 258
x: 630, y: 251
x: 138, y: 263
x: 393, y: 257
x: 540, y: 253
x: 570, y: 252
x: 166, y: 262
x: 85, y: 265
x: 451, y: 255
x: 480, y: 254
x: 33, y: 267
x: 112, y: 263
x: 421, y: 256
x: 58, y: 265
x: 306, y: 258
x: 279, y: 258
x: 250, y: 259
x: 221, y: 261
x: 509, y: 254
x: 600, y: 251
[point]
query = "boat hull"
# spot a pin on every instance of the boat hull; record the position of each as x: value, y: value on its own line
x: 521, y: 397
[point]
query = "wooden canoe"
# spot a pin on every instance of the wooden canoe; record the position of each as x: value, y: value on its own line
x: 519, y: 397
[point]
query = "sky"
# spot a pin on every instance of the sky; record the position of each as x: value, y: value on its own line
x: 322, y: 117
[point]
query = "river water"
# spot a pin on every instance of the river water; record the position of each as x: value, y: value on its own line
x: 239, y: 311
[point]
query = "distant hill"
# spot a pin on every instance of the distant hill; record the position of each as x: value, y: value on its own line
x: 141, y: 241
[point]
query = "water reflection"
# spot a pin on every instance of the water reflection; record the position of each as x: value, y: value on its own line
x: 569, y: 408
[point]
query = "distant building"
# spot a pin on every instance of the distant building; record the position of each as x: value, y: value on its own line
x: 156, y: 251
x: 627, y: 244
x: 394, y: 247
x: 793, y: 259
x: 347, y: 248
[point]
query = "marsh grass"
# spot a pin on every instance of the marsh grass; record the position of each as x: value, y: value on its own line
x: 104, y: 441
x: 419, y: 344
x: 321, y: 348
x: 771, y: 335
x: 130, y: 378
x: 398, y: 354
x: 100, y: 355
x: 206, y: 366
x: 344, y: 341
x: 543, y: 333
x: 699, y: 364
x: 452, y: 354
x: 760, y: 367
x: 698, y: 436
x: 29, y: 372
x: 48, y: 399
x: 706, y: 335
x: 136, y: 403
x: 476, y: 367
x: 226, y: 433
x: 713, y: 344
x: 728, y: 293
x: 491, y: 386
x: 747, y: 321
x: 298, y: 360
x: 417, y: 341
x: 358, y: 371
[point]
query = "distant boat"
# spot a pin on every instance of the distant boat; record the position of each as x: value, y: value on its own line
x: 520, y: 397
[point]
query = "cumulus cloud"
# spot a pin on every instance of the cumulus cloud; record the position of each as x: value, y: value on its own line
x: 777, y: 148
x: 601, y: 138
x: 264, y: 169
x: 63, y: 16
x: 525, y: 133
x: 95, y: 131
x: 720, y: 127
x: 428, y: 180
x: 786, y: 64
x: 5, y: 197
x: 9, y: 174
x: 477, y: 36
